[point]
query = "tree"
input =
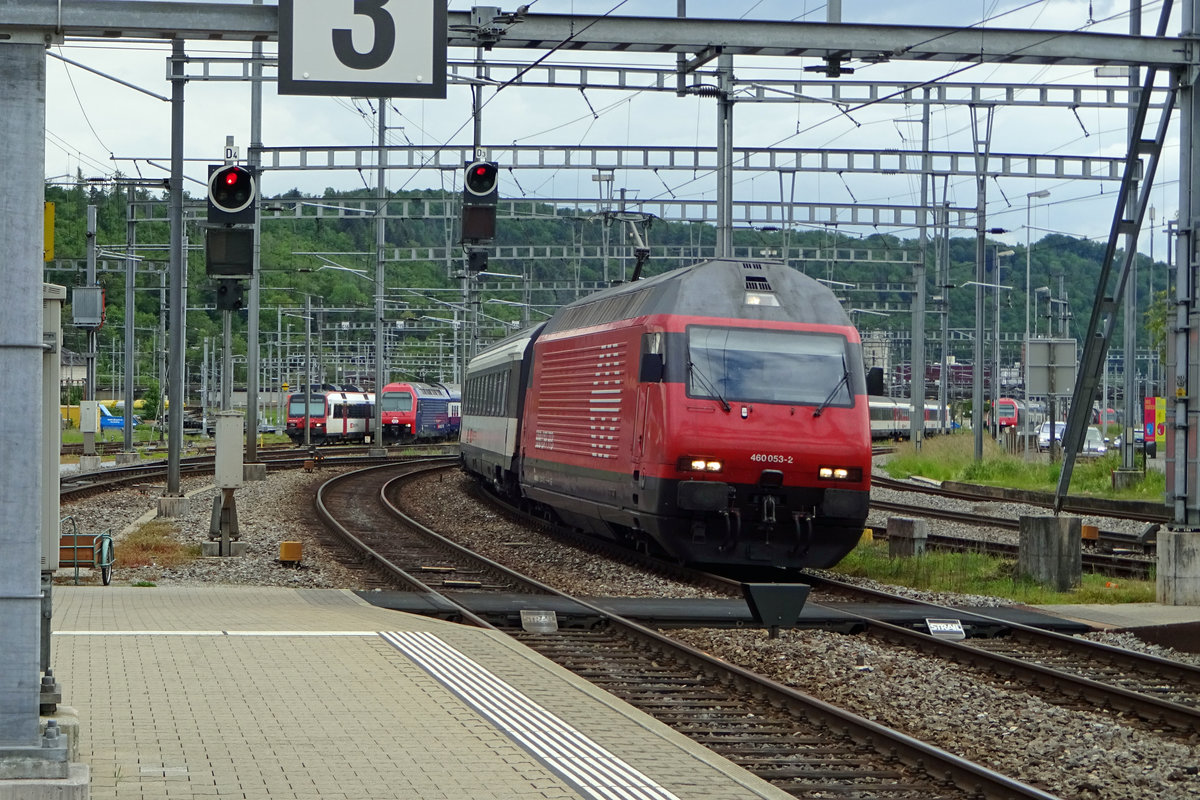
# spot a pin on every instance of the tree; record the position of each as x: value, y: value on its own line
x: 150, y: 398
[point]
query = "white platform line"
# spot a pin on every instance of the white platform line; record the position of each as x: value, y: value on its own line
x: 589, y: 768
x: 358, y: 634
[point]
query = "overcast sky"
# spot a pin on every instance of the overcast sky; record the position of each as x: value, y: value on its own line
x: 98, y: 126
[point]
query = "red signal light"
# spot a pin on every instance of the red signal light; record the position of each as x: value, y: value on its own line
x: 231, y: 194
x: 481, y: 180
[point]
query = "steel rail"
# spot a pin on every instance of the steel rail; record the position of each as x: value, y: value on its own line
x: 1139, y: 704
x: 928, y: 759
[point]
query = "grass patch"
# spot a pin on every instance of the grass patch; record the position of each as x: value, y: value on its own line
x: 977, y: 573
x: 952, y: 458
x: 155, y: 545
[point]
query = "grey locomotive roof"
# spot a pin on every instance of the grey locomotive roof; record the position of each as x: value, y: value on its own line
x: 714, y: 288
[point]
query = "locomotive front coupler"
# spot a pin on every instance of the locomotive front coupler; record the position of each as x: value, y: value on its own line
x: 733, y: 528
x: 803, y: 522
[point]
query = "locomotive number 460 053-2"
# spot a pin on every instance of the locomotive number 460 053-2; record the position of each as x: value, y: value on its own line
x: 771, y: 458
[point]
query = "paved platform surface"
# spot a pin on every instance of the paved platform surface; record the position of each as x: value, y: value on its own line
x: 1126, y: 615
x: 254, y: 693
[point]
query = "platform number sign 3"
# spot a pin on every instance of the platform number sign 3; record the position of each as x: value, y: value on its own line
x: 363, y: 48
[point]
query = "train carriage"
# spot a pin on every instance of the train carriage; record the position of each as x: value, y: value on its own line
x: 716, y: 413
x: 454, y: 410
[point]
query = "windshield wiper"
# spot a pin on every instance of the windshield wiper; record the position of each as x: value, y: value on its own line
x: 843, y: 382
x: 693, y: 368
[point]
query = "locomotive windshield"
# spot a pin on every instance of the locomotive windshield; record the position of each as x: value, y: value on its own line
x: 316, y: 406
x: 397, y: 401
x: 768, y: 366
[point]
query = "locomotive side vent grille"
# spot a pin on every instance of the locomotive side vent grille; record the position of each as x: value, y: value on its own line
x: 623, y: 306
x: 757, y: 284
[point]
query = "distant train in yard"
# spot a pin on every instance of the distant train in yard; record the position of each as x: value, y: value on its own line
x: 891, y: 418
x: 412, y: 412
x: 419, y: 411
x: 716, y: 414
x: 344, y: 414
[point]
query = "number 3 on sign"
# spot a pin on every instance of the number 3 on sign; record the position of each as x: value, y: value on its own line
x: 374, y: 48
x: 384, y: 37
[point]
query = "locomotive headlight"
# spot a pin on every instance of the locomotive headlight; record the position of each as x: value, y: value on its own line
x: 698, y: 464
x: 839, y: 473
x: 760, y: 299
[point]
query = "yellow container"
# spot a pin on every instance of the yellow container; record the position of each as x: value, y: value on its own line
x: 290, y: 551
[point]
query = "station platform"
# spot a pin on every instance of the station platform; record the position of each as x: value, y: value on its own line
x: 259, y: 693
x: 1170, y: 626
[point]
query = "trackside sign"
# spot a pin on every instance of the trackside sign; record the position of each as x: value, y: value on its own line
x: 946, y: 629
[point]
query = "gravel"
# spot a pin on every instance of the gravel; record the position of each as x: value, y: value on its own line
x: 1087, y: 755
x: 1069, y: 753
x: 269, y: 512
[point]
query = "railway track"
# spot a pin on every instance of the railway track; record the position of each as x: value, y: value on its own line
x: 1114, y: 553
x: 1117, y: 565
x: 1068, y: 670
x: 795, y: 741
x: 356, y: 506
x: 1157, y: 691
x: 1150, y: 513
x: 78, y: 485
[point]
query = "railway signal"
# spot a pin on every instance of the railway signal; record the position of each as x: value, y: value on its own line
x: 480, y: 194
x: 232, y: 190
x: 231, y: 294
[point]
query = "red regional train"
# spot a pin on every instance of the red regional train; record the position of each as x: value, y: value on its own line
x: 334, y: 415
x: 414, y: 411
x: 715, y: 413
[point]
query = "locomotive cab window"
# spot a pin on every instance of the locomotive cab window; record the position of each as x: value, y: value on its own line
x: 397, y: 401
x: 316, y: 406
x: 793, y: 367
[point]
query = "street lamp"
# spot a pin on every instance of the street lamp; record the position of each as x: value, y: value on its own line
x: 1041, y: 194
x: 377, y: 449
x: 996, y: 343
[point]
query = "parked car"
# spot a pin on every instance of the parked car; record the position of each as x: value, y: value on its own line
x: 1043, y: 434
x: 1093, y: 440
x: 1093, y: 443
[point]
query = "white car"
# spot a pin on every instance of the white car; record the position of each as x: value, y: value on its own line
x: 1043, y: 435
x: 1093, y: 440
x: 1093, y: 443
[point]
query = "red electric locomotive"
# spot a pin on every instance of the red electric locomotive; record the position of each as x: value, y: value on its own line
x: 716, y: 413
x: 416, y: 411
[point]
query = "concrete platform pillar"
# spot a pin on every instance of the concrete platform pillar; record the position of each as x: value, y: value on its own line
x: 89, y: 463
x: 172, y: 507
x: 75, y: 786
x: 1178, y: 568
x: 906, y: 537
x: 254, y: 472
x: 125, y: 459
x: 1051, y: 551
x: 1125, y: 478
